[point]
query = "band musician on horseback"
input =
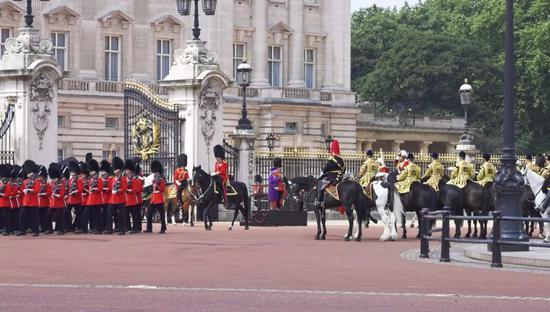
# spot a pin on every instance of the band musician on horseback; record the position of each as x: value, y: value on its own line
x: 333, y: 172
x: 181, y: 177
x: 462, y: 172
x: 434, y: 173
x: 409, y: 175
x: 543, y: 171
x: 368, y: 170
x: 487, y: 172
x: 401, y: 161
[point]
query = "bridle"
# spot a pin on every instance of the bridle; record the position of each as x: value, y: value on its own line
x: 200, y: 191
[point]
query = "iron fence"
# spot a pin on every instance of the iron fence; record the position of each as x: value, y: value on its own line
x: 232, y: 159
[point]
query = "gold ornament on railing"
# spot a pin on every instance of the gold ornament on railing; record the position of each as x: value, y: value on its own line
x: 146, y: 138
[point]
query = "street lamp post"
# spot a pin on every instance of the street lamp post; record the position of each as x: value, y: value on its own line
x: 328, y: 142
x: 509, y: 182
x: 29, y: 18
x: 243, y: 79
x: 184, y: 8
x: 466, y: 97
x: 270, y: 143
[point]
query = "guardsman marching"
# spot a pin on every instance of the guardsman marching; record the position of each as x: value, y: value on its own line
x: 409, y: 175
x: 157, y: 198
x: 139, y: 215
x: 29, y: 210
x: 14, y: 193
x: 4, y: 198
x: 333, y: 171
x: 487, y: 172
x: 73, y: 195
x: 117, y: 199
x: 94, y: 200
x: 181, y: 177
x: 57, y: 197
x: 133, y: 193
x: 220, y: 171
x: 79, y: 216
x: 368, y: 170
x: 435, y: 172
x: 462, y: 172
x: 44, y: 201
x: 105, y: 172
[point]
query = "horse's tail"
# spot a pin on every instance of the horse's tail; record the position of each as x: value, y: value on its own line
x: 245, y: 198
x: 398, y: 209
x: 361, y: 203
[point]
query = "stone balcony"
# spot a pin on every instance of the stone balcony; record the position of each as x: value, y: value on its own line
x: 367, y: 120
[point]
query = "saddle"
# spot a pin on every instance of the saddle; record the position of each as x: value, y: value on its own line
x: 332, y: 190
x: 369, y: 191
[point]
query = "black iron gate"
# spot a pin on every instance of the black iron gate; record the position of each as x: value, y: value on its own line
x: 232, y: 158
x: 151, y: 127
x: 6, y: 135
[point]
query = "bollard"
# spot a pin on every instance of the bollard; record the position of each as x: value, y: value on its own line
x: 424, y: 243
x: 496, y: 250
x: 445, y: 233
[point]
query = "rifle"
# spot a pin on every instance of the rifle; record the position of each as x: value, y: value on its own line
x: 116, y: 186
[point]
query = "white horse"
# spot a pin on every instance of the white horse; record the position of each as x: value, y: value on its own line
x: 536, y: 182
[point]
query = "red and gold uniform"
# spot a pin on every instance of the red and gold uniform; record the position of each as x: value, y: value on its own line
x: 57, y: 197
x: 157, y: 198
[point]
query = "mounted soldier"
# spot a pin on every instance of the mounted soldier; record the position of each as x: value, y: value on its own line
x: 434, y: 173
x: 409, y: 175
x: 487, y: 172
x: 181, y: 177
x: 368, y: 170
x: 220, y: 171
x: 545, y: 173
x: 462, y: 172
x: 530, y: 164
x: 401, y: 161
x: 333, y: 171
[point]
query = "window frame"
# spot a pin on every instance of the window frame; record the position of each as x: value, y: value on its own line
x: 108, y: 51
x: 116, y: 120
x: 3, y: 40
x: 160, y: 75
x: 236, y: 59
x: 62, y: 150
x: 65, y: 48
x: 291, y: 130
x: 63, y: 123
x: 313, y: 64
x: 271, y: 62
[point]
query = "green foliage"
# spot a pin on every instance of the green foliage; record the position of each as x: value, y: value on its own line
x: 417, y: 57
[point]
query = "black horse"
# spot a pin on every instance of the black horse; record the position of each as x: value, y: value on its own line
x: 210, y: 200
x: 528, y: 208
x: 299, y: 193
x: 452, y: 198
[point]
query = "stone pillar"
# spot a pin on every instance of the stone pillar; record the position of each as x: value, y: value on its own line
x: 369, y: 143
x: 196, y: 85
x: 425, y: 147
x: 28, y: 85
x: 259, y: 16
x: 296, y: 22
x: 244, y: 142
x: 396, y: 146
x: 327, y: 16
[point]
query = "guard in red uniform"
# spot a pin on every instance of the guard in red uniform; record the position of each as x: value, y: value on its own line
x: 220, y: 171
x: 4, y: 199
x: 14, y: 190
x: 181, y: 177
x: 133, y: 193
x: 73, y: 196
x: 57, y: 197
x: 44, y: 201
x: 139, y: 215
x: 117, y: 199
x: 105, y: 173
x: 94, y: 199
x: 79, y: 214
x: 157, y: 198
x: 29, y: 209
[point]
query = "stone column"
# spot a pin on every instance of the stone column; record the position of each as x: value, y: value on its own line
x: 329, y: 45
x: 296, y: 22
x: 396, y: 146
x: 259, y: 75
x: 244, y: 142
x: 425, y: 147
x: 369, y: 143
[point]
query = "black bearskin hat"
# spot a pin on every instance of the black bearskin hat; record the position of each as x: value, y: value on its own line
x: 219, y: 152
x: 16, y: 171
x: 182, y: 160
x: 89, y: 157
x: 93, y: 165
x: 20, y: 172
x: 435, y: 155
x: 410, y: 156
x: 65, y: 172
x: 486, y: 156
x: 43, y: 172
x: 4, y: 171
x: 370, y: 153
x: 129, y: 165
x: 258, y: 179
x: 74, y: 167
x: 54, y: 171
x: 462, y: 155
x: 277, y: 162
x: 118, y: 164
x: 30, y: 166
x: 105, y: 166
x: 9, y: 168
x: 84, y: 168
x: 156, y: 167
x: 529, y: 157
x: 137, y: 170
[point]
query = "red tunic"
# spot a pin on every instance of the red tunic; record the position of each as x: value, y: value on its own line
x: 180, y: 175
x: 85, y: 189
x: 118, y: 187
x: 95, y: 192
x: 220, y: 168
x: 158, y: 189
x: 4, y: 195
x: 106, y: 192
x: 31, y: 188
x: 44, y: 195
x: 57, y: 198
x: 76, y: 186
x: 14, y: 191
x: 133, y: 193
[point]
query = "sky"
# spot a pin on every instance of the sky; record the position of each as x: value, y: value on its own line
x: 357, y: 4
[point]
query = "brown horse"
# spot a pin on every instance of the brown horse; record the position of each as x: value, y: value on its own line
x: 182, y: 211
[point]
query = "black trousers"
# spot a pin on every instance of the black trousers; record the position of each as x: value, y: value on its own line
x: 78, y: 214
x: 58, y: 215
x: 181, y: 187
x: 102, y: 221
x: 29, y: 217
x: 150, y: 214
x: 118, y: 212
x: 90, y: 218
x: 135, y: 213
x: 6, y: 218
x: 45, y: 219
x: 68, y: 212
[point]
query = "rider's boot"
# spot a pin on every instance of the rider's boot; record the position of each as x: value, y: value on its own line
x: 389, y: 203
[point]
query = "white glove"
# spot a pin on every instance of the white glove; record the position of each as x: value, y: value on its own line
x: 213, y: 174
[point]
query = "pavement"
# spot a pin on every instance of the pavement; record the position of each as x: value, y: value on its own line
x: 264, y: 269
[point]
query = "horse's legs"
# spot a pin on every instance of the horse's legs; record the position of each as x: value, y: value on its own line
x: 318, y: 219
x: 469, y: 233
x: 475, y: 224
x: 404, y: 225
x: 205, y: 216
x: 359, y: 227
x: 235, y: 215
x: 458, y: 226
x: 245, y: 213
x: 418, y: 218
x: 349, y: 214
x: 324, y: 223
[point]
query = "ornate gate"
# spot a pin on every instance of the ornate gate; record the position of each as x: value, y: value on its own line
x: 7, y: 113
x: 232, y: 158
x: 151, y: 127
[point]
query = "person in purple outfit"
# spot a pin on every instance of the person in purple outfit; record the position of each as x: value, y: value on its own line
x: 276, y: 187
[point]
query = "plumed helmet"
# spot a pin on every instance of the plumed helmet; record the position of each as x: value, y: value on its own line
x: 410, y: 156
x: 462, y: 154
x: 30, y: 166
x: 43, y: 172
x: 219, y: 152
x: 258, y: 179
x: 335, y: 148
x: 277, y: 162
x: 93, y: 165
x: 89, y: 157
x: 182, y: 160
x: 486, y: 156
x: 129, y: 165
x: 74, y: 167
x: 118, y: 164
x: 105, y: 166
x: 435, y: 155
x: 84, y: 168
x: 380, y: 161
x: 54, y: 171
x: 370, y: 153
x: 4, y: 171
x: 156, y: 167
x: 403, y: 153
x: 529, y: 157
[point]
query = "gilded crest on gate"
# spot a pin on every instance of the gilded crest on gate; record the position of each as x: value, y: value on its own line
x: 146, y: 138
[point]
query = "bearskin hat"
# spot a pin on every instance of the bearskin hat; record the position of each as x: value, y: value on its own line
x: 258, y: 179
x: 156, y: 167
x: 15, y: 171
x: 89, y: 157
x: 486, y: 156
x: 137, y: 170
x: 105, y: 166
x: 136, y: 160
x: 529, y: 157
x: 277, y: 162
x: 4, y: 171
x: 129, y: 165
x: 462, y: 154
x: 118, y: 164
x: 20, y: 172
x: 65, y: 172
x: 370, y: 153
x: 30, y: 166
x: 219, y: 152
x: 74, y: 167
x: 84, y: 168
x: 54, y: 171
x: 43, y: 172
x: 182, y: 160
x: 435, y: 155
x: 410, y: 156
x: 93, y: 165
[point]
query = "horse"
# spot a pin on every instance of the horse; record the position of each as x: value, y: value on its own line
x: 451, y: 197
x: 528, y: 208
x: 536, y: 183
x: 391, y: 216
x: 475, y: 205
x: 205, y: 185
x: 182, y: 211
x: 299, y: 190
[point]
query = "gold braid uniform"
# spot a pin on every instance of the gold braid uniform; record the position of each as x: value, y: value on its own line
x: 407, y: 177
x: 434, y: 174
x: 460, y: 175
x: 369, y: 169
x: 487, y: 174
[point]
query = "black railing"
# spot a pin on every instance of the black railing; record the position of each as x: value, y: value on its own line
x: 496, y: 241
x: 232, y: 158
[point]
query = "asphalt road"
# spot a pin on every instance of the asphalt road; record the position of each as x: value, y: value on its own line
x: 264, y: 269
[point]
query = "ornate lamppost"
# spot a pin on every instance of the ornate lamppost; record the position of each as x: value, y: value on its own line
x: 270, y: 138
x: 243, y: 79
x: 328, y: 142
x: 184, y: 8
x: 465, y: 92
x: 29, y: 18
x: 509, y: 183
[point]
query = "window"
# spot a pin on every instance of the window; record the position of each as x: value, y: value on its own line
x: 111, y: 123
x: 5, y: 33
x: 164, y: 53
x: 291, y: 127
x: 60, y: 155
x: 309, y: 68
x: 59, y: 41
x: 274, y: 65
x: 109, y: 155
x: 238, y: 56
x: 112, y: 58
x: 61, y: 121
